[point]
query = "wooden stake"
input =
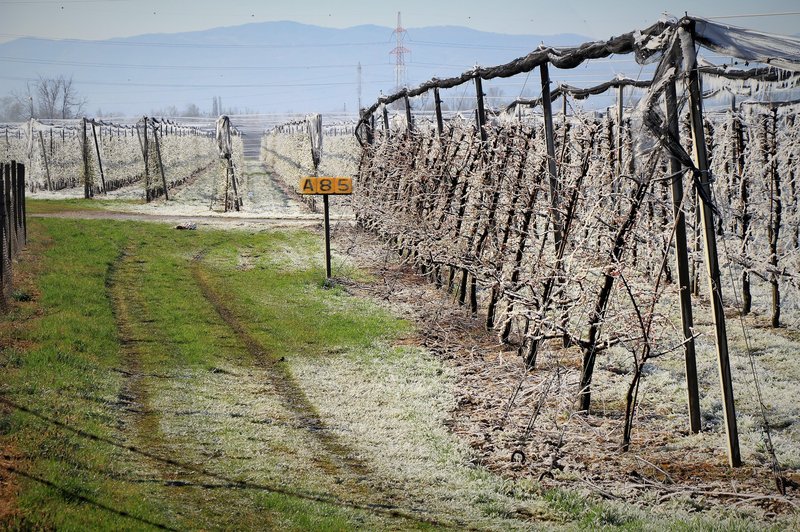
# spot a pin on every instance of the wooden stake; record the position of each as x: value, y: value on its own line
x: 22, y: 206
x: 682, y: 260
x: 437, y: 101
x: 409, y: 123
x: 160, y: 163
x: 547, y: 107
x: 99, y: 159
x: 712, y: 265
x: 146, y: 160
x: 86, y: 188
x: 44, y: 156
x: 13, y: 209
x: 481, y: 110
x: 620, y: 115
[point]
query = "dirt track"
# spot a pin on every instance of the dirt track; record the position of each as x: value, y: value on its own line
x: 265, y: 205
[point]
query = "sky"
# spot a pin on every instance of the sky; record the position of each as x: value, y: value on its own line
x: 600, y: 19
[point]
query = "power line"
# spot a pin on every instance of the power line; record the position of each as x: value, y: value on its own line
x: 468, y: 45
x: 117, y: 42
x: 175, y: 67
x: 196, y: 85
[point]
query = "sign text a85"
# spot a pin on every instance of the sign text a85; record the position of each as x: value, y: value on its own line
x: 326, y: 185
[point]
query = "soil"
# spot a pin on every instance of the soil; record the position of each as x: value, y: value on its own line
x: 538, y: 435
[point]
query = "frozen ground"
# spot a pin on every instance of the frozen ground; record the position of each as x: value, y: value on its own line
x: 202, y: 198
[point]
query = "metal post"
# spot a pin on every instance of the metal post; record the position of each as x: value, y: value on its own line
x: 712, y: 264
x: 682, y: 259
x: 327, y: 237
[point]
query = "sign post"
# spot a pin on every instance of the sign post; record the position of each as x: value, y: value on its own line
x: 327, y: 186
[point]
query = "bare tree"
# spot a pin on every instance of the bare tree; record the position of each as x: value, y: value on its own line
x: 51, y: 98
x: 72, y: 104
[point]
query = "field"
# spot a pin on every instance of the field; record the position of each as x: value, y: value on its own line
x: 580, y: 320
x: 156, y: 378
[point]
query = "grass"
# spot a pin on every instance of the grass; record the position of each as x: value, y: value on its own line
x: 207, y: 379
x: 62, y: 357
x: 49, y: 206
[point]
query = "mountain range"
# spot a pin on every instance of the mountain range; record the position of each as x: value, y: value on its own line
x: 278, y: 67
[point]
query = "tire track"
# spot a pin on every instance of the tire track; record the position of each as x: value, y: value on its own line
x: 120, y: 281
x: 340, y: 457
x: 358, y: 486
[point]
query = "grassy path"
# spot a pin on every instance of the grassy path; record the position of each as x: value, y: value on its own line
x: 147, y: 384
x: 338, y: 458
x: 160, y: 379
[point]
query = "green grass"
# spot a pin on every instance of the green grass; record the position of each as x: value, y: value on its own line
x: 48, y: 206
x: 209, y: 379
x: 62, y: 357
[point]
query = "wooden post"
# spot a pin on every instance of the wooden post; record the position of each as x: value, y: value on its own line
x: 620, y: 117
x: 480, y: 114
x: 4, y: 242
x: 23, y: 207
x: 409, y: 123
x: 8, y: 214
x: 99, y: 159
x: 44, y: 155
x: 682, y: 259
x: 481, y: 111
x: 17, y: 205
x: 86, y: 188
x: 547, y: 107
x: 145, y: 151
x: 19, y: 197
x: 236, y: 199
x: 13, y: 208
x: 712, y: 262
x: 160, y: 163
x: 745, y: 216
x: 437, y: 101
x: 775, y: 213
x: 386, y: 120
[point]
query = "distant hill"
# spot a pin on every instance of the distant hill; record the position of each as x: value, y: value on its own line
x: 273, y: 66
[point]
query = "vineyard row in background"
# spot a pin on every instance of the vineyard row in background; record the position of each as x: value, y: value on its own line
x: 153, y: 154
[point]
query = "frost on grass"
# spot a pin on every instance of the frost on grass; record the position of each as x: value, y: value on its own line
x: 391, y: 404
x: 383, y: 407
x: 230, y: 422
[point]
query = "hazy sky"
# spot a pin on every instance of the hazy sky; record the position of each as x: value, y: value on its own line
x: 102, y: 19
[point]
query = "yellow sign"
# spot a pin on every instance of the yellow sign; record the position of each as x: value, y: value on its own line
x: 326, y: 185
